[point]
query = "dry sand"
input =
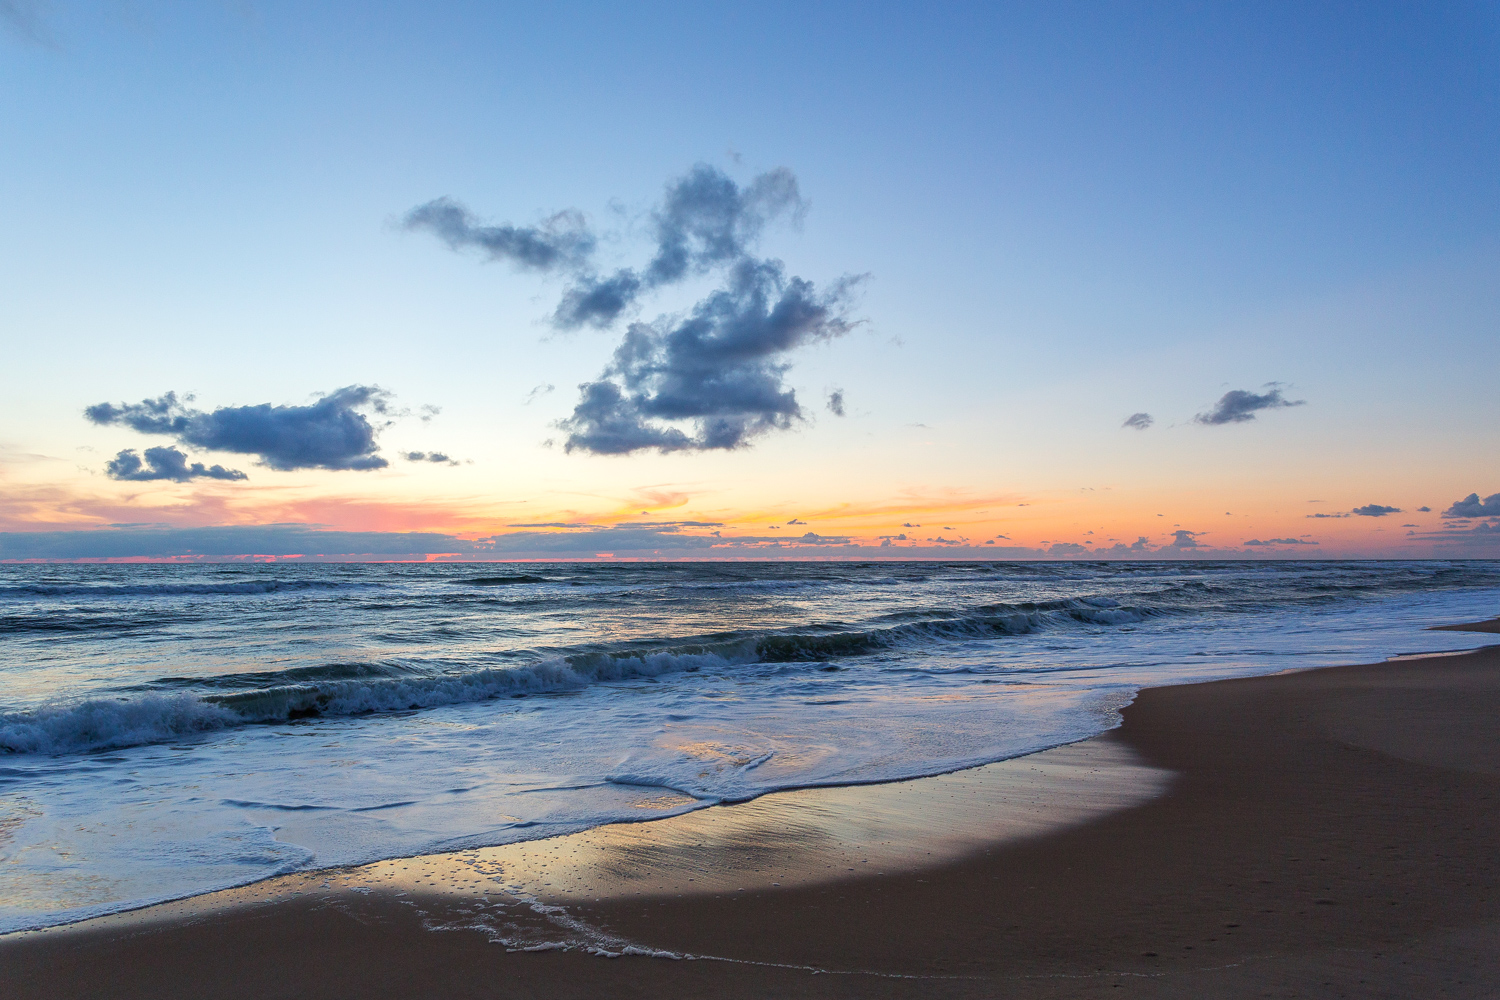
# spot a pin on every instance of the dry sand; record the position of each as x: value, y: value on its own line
x: 1327, y: 833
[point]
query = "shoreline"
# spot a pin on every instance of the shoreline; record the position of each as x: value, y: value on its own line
x: 1298, y: 810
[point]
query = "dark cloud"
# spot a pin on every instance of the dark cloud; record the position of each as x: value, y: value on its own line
x: 332, y: 433
x: 1325, y: 515
x: 707, y: 220
x: 1424, y: 510
x: 1472, y: 506
x: 561, y: 242
x: 1238, y: 406
x: 164, y: 463
x: 1183, y: 539
x: 795, y: 521
x: 704, y: 221
x: 1375, y: 510
x: 597, y: 302
x: 1138, y: 421
x: 722, y: 368
x: 1066, y: 549
x: 435, y: 457
x: 1280, y: 541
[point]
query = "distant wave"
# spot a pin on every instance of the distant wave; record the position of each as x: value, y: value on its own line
x: 171, y: 589
x: 500, y: 581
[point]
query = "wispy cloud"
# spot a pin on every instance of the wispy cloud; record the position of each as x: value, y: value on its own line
x: 1138, y: 421
x: 1239, y: 406
x: 433, y: 457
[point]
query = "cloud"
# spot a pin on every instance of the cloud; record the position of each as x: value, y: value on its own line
x: 1183, y: 539
x: 707, y: 220
x: 1375, y: 510
x: 1320, y: 516
x: 164, y: 463
x: 329, y: 434
x: 908, y: 524
x: 1138, y: 421
x: 597, y: 302
x: 722, y: 368
x: 1424, y: 510
x: 1066, y: 549
x: 1238, y: 406
x: 795, y: 521
x: 1472, y: 506
x: 561, y: 242
x: 435, y: 457
x: 1280, y: 541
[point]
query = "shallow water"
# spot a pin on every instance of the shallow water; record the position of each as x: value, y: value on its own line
x: 168, y: 730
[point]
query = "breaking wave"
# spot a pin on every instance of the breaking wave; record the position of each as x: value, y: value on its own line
x: 349, y: 689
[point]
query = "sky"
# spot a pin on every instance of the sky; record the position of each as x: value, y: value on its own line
x: 749, y: 281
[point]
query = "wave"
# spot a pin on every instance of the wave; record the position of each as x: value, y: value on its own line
x: 500, y: 581
x: 104, y: 724
x: 173, y: 589
x: 350, y: 689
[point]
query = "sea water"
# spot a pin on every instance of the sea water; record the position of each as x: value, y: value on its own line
x: 167, y: 730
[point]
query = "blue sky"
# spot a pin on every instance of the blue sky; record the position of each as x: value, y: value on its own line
x: 1068, y: 213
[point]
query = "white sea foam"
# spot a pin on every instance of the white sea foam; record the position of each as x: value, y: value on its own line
x: 100, y: 724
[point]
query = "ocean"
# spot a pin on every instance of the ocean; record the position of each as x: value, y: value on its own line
x: 169, y: 730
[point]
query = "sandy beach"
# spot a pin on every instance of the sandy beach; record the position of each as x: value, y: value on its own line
x: 1323, y: 833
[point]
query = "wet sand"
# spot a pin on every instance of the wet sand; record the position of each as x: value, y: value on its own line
x: 1327, y: 833
x: 1490, y: 625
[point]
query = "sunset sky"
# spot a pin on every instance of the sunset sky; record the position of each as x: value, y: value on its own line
x: 749, y: 281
